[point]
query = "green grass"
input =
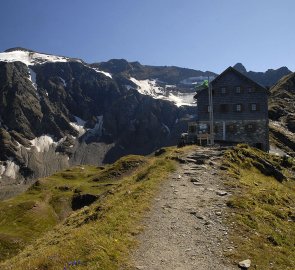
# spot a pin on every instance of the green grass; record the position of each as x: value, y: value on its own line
x: 262, y: 210
x: 100, y: 235
x: 48, y: 202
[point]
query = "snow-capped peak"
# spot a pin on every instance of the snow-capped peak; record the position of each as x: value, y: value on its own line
x: 31, y: 58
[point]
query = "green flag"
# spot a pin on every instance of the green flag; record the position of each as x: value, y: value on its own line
x: 202, y: 86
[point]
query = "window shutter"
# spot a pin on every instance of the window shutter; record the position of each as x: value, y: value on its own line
x: 257, y: 107
x: 223, y: 108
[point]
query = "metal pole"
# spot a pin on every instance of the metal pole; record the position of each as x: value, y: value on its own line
x: 211, y: 112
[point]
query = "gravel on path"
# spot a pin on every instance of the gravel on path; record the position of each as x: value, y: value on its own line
x: 184, y: 229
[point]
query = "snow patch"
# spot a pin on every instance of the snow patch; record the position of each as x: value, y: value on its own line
x: 103, y: 72
x: 32, y: 78
x: 170, y: 86
x: 150, y: 88
x: 63, y: 82
x: 9, y: 170
x: 32, y: 58
x: 43, y: 143
x: 147, y: 87
x: 79, y: 125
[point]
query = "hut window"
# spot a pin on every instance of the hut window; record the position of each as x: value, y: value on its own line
x: 223, y: 90
x: 253, y: 107
x: 238, y: 89
x: 203, y: 128
x: 251, y: 89
x: 238, y: 107
x: 250, y: 127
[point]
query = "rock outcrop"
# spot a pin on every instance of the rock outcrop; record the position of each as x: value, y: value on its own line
x: 282, y: 113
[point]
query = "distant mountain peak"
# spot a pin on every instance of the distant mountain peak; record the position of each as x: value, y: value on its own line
x: 240, y: 67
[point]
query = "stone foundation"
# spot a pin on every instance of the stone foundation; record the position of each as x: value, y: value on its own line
x: 252, y: 132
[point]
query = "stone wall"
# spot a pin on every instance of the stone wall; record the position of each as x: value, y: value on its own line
x: 252, y: 132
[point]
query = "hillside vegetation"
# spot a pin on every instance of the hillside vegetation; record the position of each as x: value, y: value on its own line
x: 263, y: 208
x: 87, y: 216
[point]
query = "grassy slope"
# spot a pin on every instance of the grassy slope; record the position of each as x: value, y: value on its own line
x: 263, y: 210
x: 42, y: 223
x: 99, y: 235
x: 28, y: 215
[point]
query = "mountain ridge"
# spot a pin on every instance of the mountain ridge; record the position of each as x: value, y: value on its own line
x: 58, y: 111
x: 40, y: 108
x: 267, y: 78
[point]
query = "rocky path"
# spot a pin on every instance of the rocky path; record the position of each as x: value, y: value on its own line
x: 184, y: 229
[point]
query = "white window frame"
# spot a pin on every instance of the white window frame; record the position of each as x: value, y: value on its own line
x: 253, y: 107
x: 238, y: 107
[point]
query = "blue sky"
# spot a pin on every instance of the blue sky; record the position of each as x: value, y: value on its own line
x: 199, y: 34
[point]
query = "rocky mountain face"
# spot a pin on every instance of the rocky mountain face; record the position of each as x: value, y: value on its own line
x: 268, y: 78
x: 56, y: 112
x: 282, y: 113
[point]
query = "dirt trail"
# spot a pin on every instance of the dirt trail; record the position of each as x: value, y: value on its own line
x: 184, y: 229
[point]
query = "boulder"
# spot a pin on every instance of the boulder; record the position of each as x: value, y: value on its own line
x: 245, y: 264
